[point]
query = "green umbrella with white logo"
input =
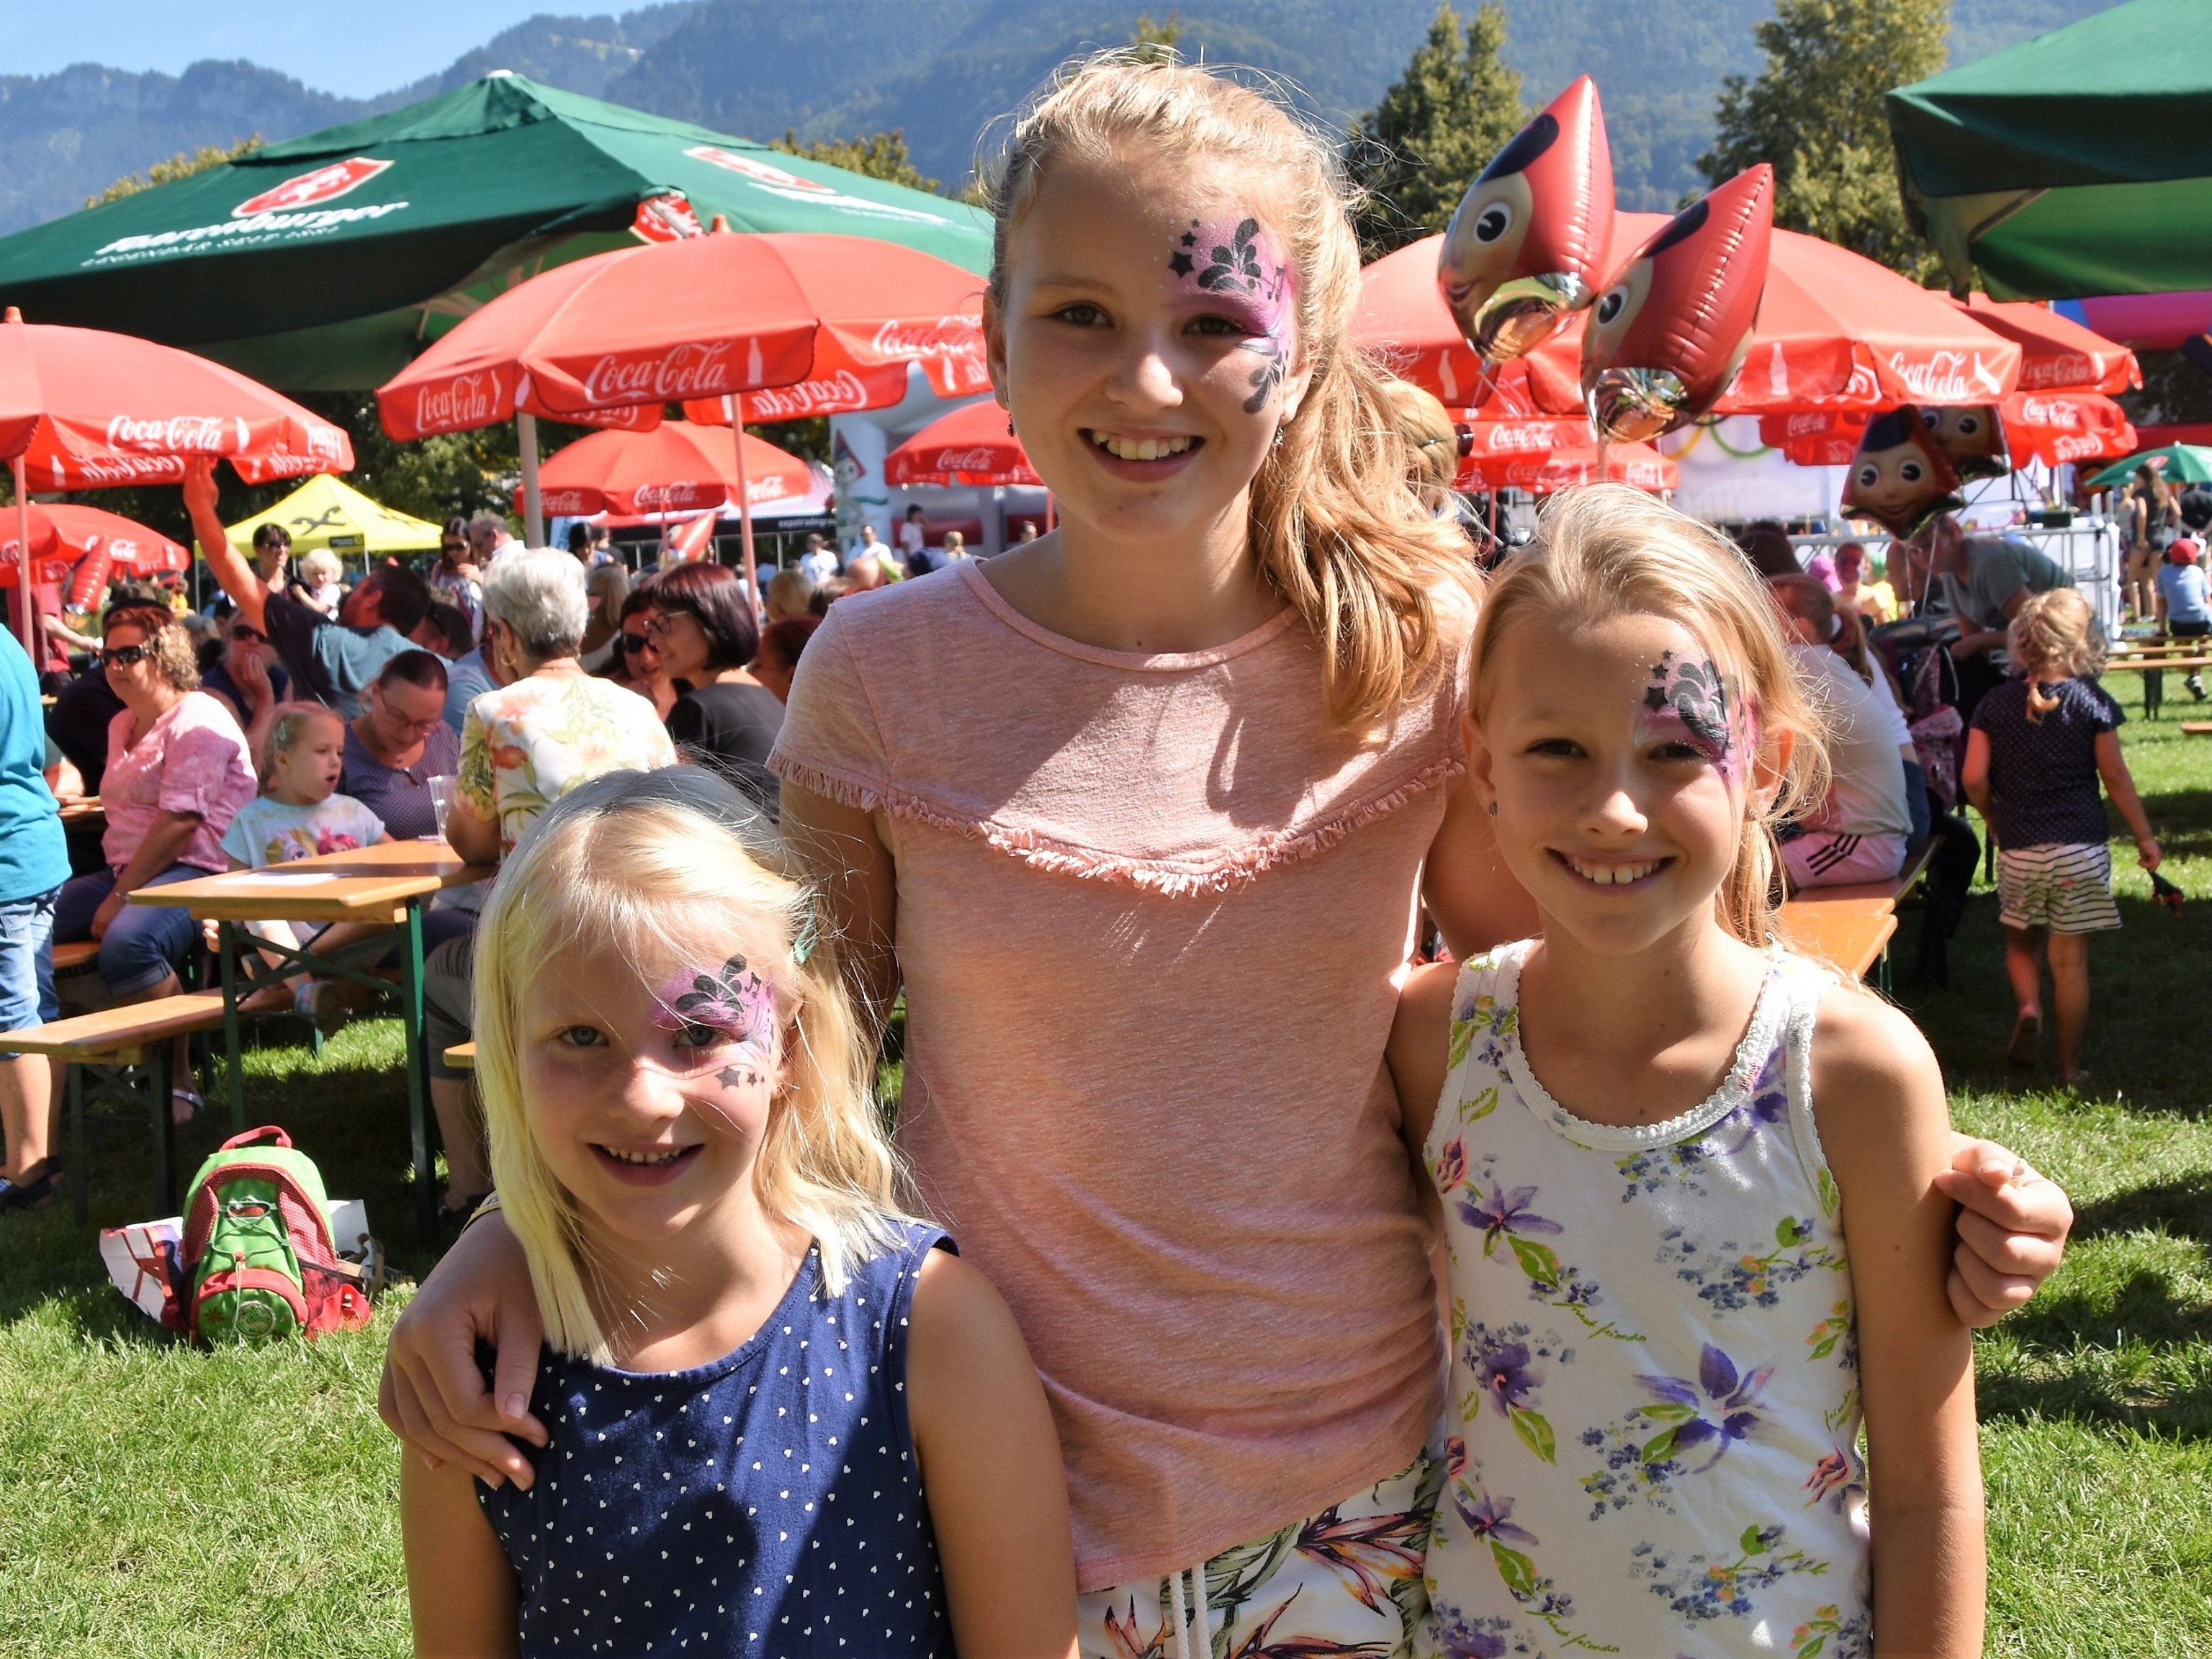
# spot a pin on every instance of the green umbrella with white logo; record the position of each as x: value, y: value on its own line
x: 2176, y: 464
x: 329, y: 261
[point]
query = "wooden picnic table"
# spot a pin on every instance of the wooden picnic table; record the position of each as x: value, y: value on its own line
x: 86, y: 813
x: 1851, y: 934
x: 390, y: 883
x: 2153, y: 668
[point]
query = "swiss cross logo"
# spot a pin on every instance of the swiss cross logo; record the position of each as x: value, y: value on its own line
x: 762, y: 172
x: 668, y: 218
x: 324, y: 184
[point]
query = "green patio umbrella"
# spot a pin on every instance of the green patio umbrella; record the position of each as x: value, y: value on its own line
x: 329, y: 261
x: 2176, y: 463
x: 2076, y: 163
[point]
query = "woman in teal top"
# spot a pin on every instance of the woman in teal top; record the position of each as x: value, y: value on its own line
x: 33, y: 865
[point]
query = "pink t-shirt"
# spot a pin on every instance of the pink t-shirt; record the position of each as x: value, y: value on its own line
x: 1149, y: 908
x: 194, y: 760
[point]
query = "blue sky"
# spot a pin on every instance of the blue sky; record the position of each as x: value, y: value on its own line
x: 356, y: 47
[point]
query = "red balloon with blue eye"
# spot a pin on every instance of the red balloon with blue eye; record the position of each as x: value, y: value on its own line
x: 1526, y: 247
x: 1900, y: 477
x: 1671, y: 328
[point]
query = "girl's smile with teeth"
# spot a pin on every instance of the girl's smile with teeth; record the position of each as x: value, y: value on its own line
x: 1144, y: 449
x: 1605, y: 874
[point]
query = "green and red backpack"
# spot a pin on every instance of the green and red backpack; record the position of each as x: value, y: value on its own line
x: 257, y: 1260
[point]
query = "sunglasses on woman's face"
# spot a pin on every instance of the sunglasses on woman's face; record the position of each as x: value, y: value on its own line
x: 122, y: 655
x: 242, y: 635
x: 457, y: 547
x: 634, y: 641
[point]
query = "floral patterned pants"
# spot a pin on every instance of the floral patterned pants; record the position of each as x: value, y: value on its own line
x: 1346, y: 1582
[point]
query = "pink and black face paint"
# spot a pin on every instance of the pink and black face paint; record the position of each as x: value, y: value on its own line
x: 1688, y: 701
x: 1241, y: 265
x: 734, y: 1004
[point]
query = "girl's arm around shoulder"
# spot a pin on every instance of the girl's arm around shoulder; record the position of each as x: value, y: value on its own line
x: 990, y: 1469
x: 1886, y: 1131
x: 460, y: 1588
x: 1419, y: 1052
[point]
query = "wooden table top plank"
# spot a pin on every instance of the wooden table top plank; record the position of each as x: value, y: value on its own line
x: 1851, y: 935
x: 120, y: 1031
x: 367, y: 883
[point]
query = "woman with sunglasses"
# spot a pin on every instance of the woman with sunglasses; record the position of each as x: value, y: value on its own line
x: 455, y: 579
x: 178, y: 771
x: 707, y: 633
x: 637, y: 665
x: 247, y: 679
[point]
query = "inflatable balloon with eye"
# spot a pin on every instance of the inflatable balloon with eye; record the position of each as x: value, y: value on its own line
x: 1973, y: 438
x: 1671, y: 329
x: 1526, y: 247
x: 1900, y: 477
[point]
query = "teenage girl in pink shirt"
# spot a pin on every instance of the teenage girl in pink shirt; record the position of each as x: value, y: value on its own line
x: 1137, y: 815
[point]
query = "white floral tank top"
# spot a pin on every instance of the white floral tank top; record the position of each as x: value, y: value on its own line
x: 1652, y: 1437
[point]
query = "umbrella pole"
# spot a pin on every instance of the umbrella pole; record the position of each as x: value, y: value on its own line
x: 534, y: 522
x: 29, y: 613
x: 745, y: 504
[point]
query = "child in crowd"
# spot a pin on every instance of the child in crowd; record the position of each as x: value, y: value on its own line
x: 2039, y: 747
x: 2184, y: 602
x: 300, y: 815
x: 1651, y: 1130
x: 784, y: 1417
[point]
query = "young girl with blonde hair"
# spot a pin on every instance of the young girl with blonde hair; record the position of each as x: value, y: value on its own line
x: 748, y: 1339
x: 1651, y: 1129
x: 1150, y: 875
x: 2040, y: 746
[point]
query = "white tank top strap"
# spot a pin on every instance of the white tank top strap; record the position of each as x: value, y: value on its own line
x: 1806, y: 983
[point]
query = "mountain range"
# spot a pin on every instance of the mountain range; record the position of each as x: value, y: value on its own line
x: 939, y: 70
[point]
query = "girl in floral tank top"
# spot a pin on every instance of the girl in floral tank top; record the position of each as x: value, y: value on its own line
x: 1651, y: 1131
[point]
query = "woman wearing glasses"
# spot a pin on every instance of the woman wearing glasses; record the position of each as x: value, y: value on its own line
x: 178, y: 771
x: 247, y: 679
x: 637, y: 665
x: 399, y: 742
x: 456, y: 580
x: 706, y: 632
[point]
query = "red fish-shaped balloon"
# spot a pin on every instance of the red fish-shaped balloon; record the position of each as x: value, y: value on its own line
x: 1526, y: 247
x: 1671, y: 328
x: 1900, y: 476
x: 1973, y: 437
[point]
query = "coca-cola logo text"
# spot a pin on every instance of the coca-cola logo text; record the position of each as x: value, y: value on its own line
x: 465, y: 401
x: 833, y: 394
x: 1947, y: 377
x: 953, y: 337
x: 324, y: 184
x: 691, y: 370
x: 178, y: 435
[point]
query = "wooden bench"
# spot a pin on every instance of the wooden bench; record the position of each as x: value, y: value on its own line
x: 77, y: 956
x: 124, y: 1052
x: 1852, y: 935
x: 2153, y: 668
x: 462, y: 1056
x: 2197, y: 728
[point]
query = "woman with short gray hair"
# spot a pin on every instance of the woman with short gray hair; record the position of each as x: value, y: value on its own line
x: 546, y: 728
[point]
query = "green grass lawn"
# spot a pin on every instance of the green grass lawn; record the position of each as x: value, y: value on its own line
x: 156, y: 1499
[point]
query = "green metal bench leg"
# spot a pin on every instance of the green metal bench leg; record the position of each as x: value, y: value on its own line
x: 231, y: 1046
x: 161, y: 1069
x: 418, y: 1073
x: 80, y: 1180
x: 2154, y: 693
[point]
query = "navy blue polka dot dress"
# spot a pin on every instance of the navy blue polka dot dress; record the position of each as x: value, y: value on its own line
x: 766, y: 1504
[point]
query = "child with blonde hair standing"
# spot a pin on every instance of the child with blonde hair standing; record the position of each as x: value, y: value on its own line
x: 1652, y: 1131
x: 2040, y: 747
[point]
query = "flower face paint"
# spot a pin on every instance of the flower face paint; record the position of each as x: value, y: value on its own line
x: 727, y: 1006
x: 1241, y: 266
x: 1688, y: 701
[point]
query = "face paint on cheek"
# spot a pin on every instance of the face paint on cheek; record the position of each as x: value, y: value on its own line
x: 1240, y: 262
x: 1688, y: 701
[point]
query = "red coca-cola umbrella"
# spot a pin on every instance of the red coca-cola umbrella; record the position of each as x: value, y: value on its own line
x: 971, y: 445
x: 2051, y: 427
x: 1542, y: 473
x: 1835, y: 331
x: 82, y: 409
x: 707, y: 317
x: 676, y: 467
x: 86, y: 547
x: 2056, y: 353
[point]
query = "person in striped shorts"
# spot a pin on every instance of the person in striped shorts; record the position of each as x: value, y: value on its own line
x: 2040, y: 746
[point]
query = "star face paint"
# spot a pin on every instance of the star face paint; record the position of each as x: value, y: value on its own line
x: 1239, y: 264
x: 1688, y: 701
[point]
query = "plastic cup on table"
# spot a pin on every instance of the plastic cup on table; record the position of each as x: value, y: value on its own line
x: 442, y: 801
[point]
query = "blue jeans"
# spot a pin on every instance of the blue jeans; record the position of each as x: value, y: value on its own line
x: 26, y: 963
x: 143, y: 945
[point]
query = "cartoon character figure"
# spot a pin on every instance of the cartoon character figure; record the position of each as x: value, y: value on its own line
x: 1900, y: 477
x: 1526, y: 247
x: 1973, y: 437
x: 1672, y: 327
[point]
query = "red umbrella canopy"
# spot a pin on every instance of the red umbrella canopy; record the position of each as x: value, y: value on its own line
x: 2050, y: 427
x: 1835, y: 331
x: 676, y: 467
x: 83, y: 407
x: 707, y: 317
x: 2058, y: 353
x: 970, y: 446
x: 1541, y: 473
x: 95, y: 544
x: 845, y: 391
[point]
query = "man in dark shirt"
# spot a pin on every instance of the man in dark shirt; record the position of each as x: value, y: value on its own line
x: 1982, y: 581
x: 387, y: 612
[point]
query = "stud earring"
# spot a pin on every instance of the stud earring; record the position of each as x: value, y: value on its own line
x: 1493, y: 809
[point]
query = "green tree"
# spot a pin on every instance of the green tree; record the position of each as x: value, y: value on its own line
x: 1438, y: 127
x: 879, y: 156
x: 179, y: 165
x: 1816, y: 112
x: 1155, y: 43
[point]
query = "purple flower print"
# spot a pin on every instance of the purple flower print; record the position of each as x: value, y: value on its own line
x: 1730, y: 1399
x: 1455, y: 1456
x: 1504, y: 1213
x: 1485, y: 1516
x: 1451, y: 1166
x: 1507, y: 1376
x: 1768, y: 1105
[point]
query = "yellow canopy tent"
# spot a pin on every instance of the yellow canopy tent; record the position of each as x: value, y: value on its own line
x: 325, y: 512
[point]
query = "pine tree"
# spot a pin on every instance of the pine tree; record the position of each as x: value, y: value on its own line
x: 1155, y: 43
x: 1816, y: 112
x: 879, y: 156
x: 1453, y: 109
x: 179, y: 165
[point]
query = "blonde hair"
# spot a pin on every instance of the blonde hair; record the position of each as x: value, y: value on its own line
x: 675, y: 866
x: 2053, y: 637
x: 1607, y: 550
x: 322, y: 566
x: 290, y: 724
x: 1426, y: 425
x: 1335, y: 526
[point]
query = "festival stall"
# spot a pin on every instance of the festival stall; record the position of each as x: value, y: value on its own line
x: 328, y: 512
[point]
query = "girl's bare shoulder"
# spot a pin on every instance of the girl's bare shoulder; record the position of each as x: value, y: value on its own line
x: 1869, y: 1062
